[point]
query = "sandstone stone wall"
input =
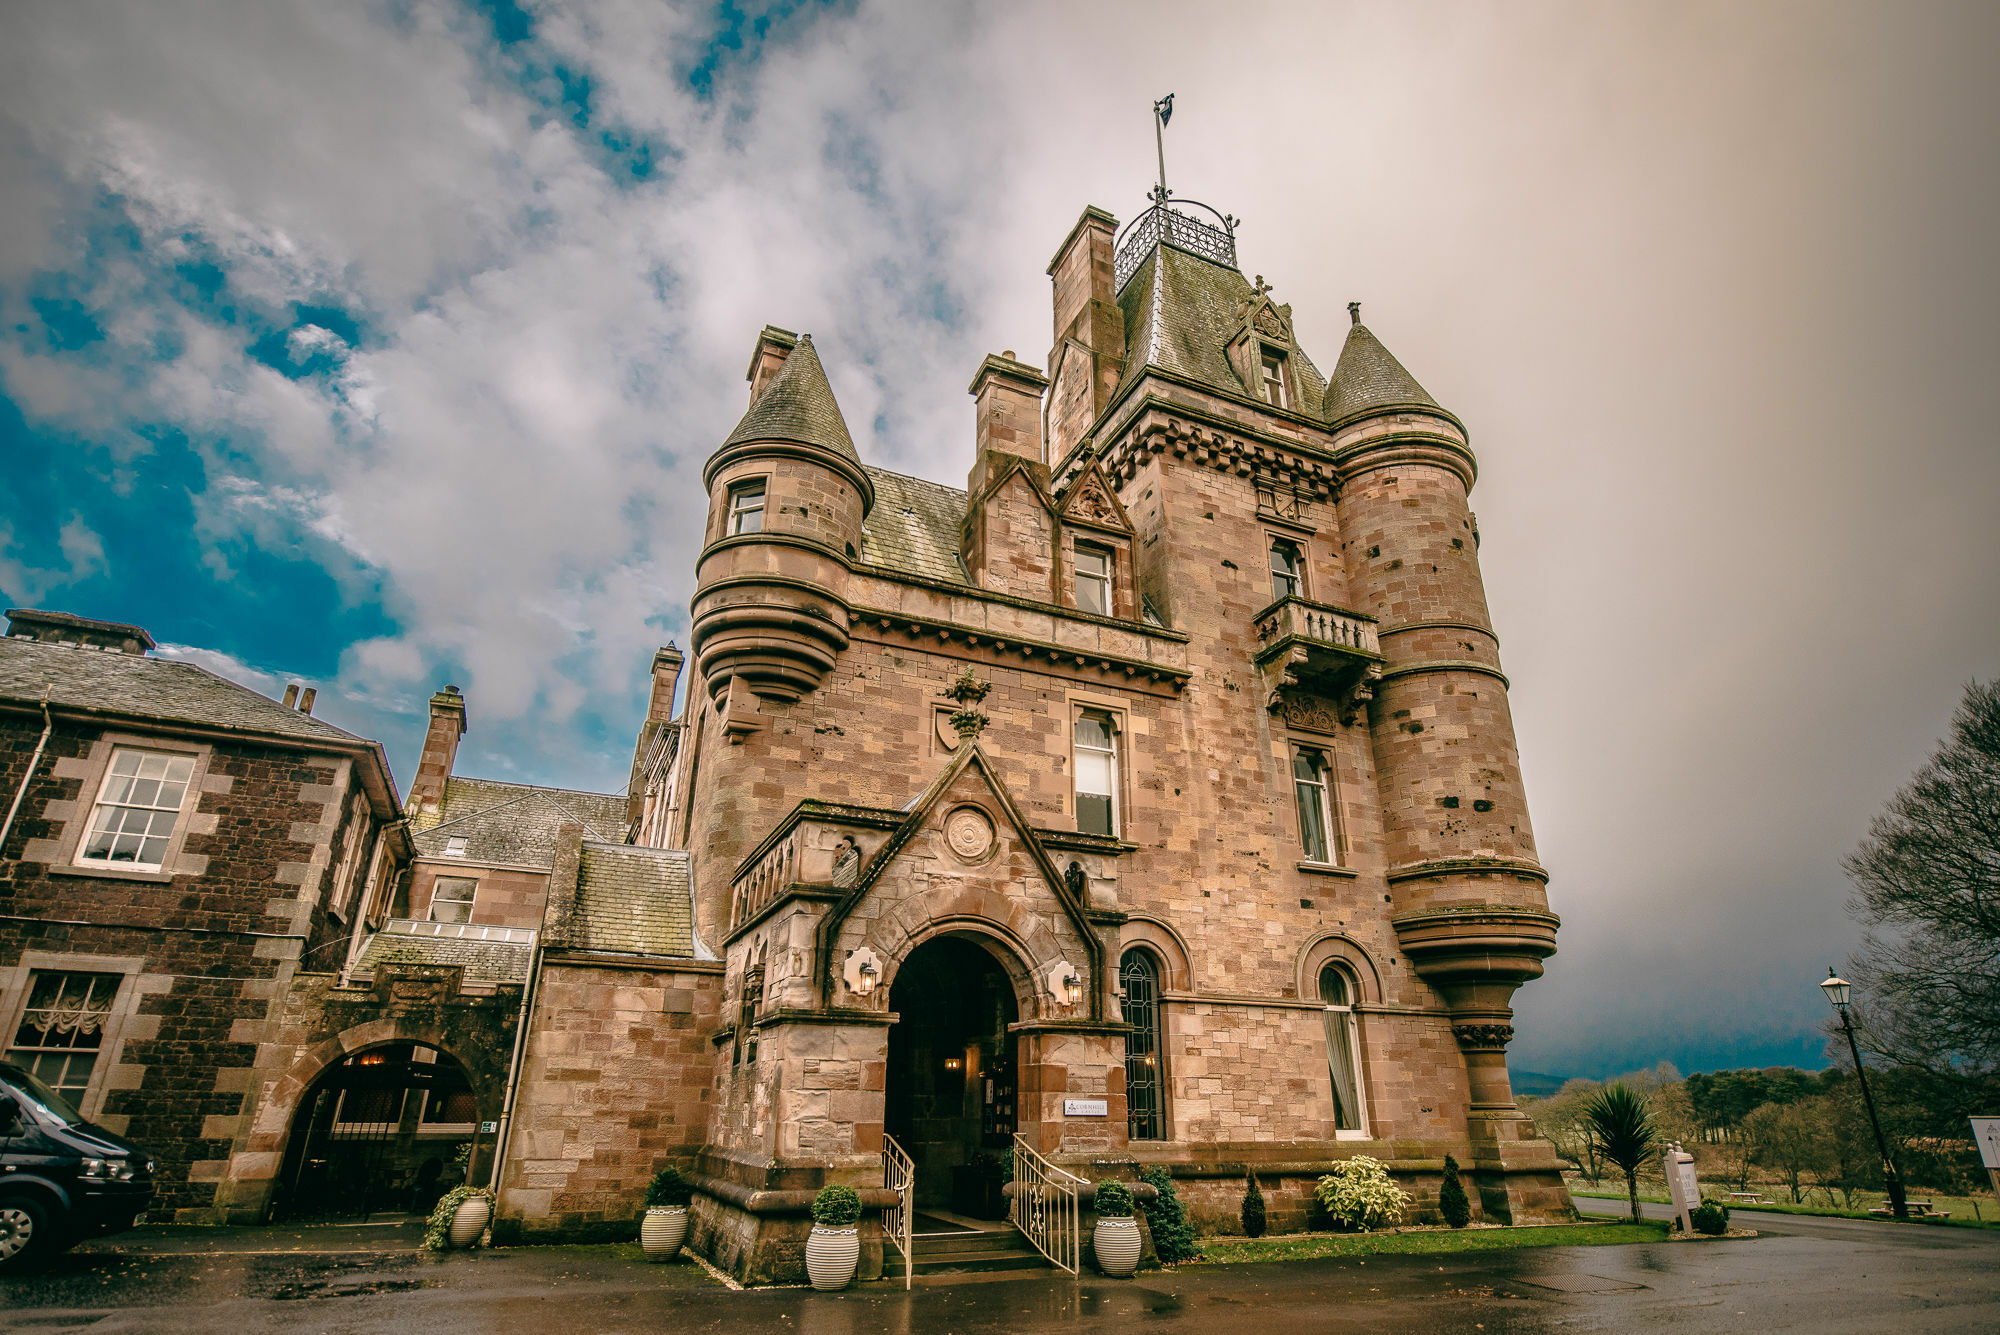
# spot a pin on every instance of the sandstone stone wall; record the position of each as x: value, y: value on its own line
x: 617, y: 1083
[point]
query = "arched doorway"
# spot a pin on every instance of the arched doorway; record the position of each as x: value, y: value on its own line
x: 952, y: 1099
x: 383, y: 1132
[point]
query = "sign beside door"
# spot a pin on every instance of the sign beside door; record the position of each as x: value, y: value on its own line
x: 1086, y: 1107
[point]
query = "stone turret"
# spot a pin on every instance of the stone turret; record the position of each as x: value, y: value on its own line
x: 1471, y: 913
x: 787, y: 497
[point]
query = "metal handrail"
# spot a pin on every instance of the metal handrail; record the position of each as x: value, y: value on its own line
x: 1046, y: 1207
x: 899, y: 1174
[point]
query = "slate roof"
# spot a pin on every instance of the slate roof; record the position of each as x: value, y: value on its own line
x: 156, y: 688
x: 514, y: 823
x: 913, y: 526
x: 1368, y: 379
x: 483, y: 961
x: 635, y: 901
x: 797, y: 405
x: 1180, y: 315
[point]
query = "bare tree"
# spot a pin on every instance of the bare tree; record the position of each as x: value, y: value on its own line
x: 1927, y: 880
x: 1791, y: 1140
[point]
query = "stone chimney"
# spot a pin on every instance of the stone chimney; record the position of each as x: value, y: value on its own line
x: 666, y: 675
x: 773, y: 346
x: 65, y: 628
x: 440, y: 751
x: 1008, y: 539
x: 1089, y: 352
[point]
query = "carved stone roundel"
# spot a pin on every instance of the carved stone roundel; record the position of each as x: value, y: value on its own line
x: 968, y: 832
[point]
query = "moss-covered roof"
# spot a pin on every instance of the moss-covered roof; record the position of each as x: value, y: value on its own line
x: 634, y: 901
x: 1367, y: 379
x: 797, y: 404
x: 513, y: 823
x: 913, y: 526
x: 1181, y: 312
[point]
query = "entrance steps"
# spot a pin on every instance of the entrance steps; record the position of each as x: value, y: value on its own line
x: 972, y: 1245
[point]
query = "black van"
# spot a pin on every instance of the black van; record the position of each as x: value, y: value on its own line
x: 61, y: 1179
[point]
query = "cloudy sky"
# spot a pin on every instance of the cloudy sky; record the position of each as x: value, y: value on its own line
x: 379, y: 345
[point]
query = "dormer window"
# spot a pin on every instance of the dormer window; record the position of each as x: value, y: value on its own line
x: 1286, y: 581
x: 1093, y: 579
x: 1272, y: 382
x: 746, y: 507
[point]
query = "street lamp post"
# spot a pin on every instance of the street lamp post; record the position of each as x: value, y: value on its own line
x: 1837, y: 990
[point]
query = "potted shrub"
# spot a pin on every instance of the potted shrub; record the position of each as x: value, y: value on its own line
x: 460, y: 1217
x: 665, y: 1225
x: 1116, y: 1237
x: 834, y: 1249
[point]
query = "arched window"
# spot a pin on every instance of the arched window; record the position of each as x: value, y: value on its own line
x: 1145, y: 1059
x: 1343, y: 1050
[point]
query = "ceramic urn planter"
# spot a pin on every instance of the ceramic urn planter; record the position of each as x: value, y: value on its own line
x: 662, y: 1232
x: 831, y: 1256
x: 469, y: 1221
x: 1117, y: 1244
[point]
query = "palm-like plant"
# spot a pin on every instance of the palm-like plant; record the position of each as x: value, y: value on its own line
x: 1622, y: 1125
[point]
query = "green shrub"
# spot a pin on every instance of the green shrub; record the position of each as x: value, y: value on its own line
x: 439, y: 1227
x: 1173, y: 1235
x: 669, y: 1189
x: 1359, y: 1194
x: 837, y: 1207
x: 1253, y: 1209
x: 1710, y: 1217
x: 1114, y: 1200
x: 1452, y: 1205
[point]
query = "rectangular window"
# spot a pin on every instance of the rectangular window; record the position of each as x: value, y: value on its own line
x: 451, y: 898
x: 1286, y: 580
x: 1274, y: 379
x: 62, y: 1028
x: 1096, y: 767
x: 746, y: 507
x: 1093, y: 580
x: 1312, y: 783
x: 137, y: 808
x: 454, y: 847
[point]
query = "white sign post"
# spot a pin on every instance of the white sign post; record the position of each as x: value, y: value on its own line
x: 1677, y: 1166
x: 1986, y: 1132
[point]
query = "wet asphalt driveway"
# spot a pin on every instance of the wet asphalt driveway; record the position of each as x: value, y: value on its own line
x: 1818, y: 1275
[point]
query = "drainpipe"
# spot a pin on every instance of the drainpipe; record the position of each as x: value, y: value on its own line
x: 34, y: 761
x: 500, y: 1137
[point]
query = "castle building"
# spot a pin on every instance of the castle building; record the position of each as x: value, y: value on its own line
x: 1153, y: 800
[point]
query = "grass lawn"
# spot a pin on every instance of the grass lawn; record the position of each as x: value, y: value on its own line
x: 1310, y: 1246
x: 1959, y: 1207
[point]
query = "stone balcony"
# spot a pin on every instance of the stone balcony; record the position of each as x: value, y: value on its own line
x: 1324, y: 649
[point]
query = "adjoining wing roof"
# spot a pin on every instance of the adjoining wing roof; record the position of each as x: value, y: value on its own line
x: 483, y: 961
x: 1367, y: 379
x: 637, y: 901
x: 797, y: 405
x: 1180, y: 315
x: 158, y: 688
x: 515, y: 823
x: 913, y: 526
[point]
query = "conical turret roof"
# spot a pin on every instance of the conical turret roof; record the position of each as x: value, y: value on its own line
x: 1367, y: 379
x: 797, y: 405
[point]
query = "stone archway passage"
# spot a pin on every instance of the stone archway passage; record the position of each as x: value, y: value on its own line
x: 384, y: 1132
x: 952, y: 1097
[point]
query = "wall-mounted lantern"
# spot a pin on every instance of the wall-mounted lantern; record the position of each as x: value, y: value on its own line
x: 862, y: 973
x: 1065, y: 984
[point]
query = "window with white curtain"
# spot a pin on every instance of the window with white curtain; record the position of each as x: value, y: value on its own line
x: 1343, y: 1051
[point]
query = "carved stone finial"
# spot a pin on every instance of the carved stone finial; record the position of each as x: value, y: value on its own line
x: 967, y: 692
x: 1354, y: 311
x: 1263, y: 288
